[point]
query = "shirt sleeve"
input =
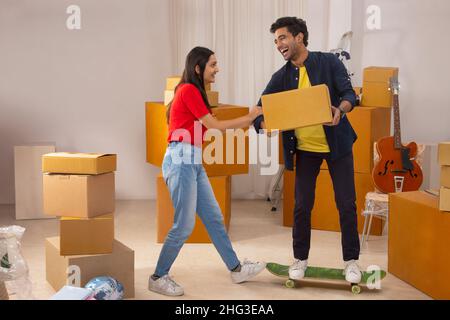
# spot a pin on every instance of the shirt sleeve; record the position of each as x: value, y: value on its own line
x: 193, y: 100
x: 342, y: 82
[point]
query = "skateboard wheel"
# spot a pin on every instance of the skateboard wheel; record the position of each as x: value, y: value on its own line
x: 356, y: 289
x: 290, y: 283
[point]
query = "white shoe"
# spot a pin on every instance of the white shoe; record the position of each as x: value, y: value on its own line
x: 297, y: 269
x: 165, y: 285
x: 249, y: 269
x: 352, y: 271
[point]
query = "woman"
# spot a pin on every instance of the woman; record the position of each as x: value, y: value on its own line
x: 186, y: 178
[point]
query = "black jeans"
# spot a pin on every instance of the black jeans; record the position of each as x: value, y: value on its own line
x: 342, y: 174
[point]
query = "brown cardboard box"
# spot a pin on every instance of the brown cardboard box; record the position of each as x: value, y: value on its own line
x: 444, y: 199
x: 240, y: 158
x: 78, y: 163
x: 172, y: 82
x: 418, y: 242
x: 157, y: 133
x: 81, y: 236
x: 165, y: 212
x: 213, y: 97
x: 119, y: 265
x: 370, y: 125
x: 325, y: 216
x: 444, y: 153
x: 445, y: 176
x: 297, y: 108
x: 83, y: 196
x: 376, y: 86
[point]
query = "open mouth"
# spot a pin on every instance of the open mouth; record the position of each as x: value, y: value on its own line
x: 284, y: 51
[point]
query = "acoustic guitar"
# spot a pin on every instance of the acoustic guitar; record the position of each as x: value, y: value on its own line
x: 397, y: 170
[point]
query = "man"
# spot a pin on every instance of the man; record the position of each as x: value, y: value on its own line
x: 311, y: 145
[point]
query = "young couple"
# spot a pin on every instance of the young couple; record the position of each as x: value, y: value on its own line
x: 188, y: 183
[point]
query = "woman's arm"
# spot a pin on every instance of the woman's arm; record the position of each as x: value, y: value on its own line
x: 210, y: 122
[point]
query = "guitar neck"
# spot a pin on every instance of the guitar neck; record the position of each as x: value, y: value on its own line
x: 397, y: 131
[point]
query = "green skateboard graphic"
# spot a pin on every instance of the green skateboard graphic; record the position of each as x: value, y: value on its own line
x: 323, y: 274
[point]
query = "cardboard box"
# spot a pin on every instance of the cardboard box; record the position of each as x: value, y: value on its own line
x: 370, y: 125
x: 444, y: 153
x: 213, y: 97
x: 80, y: 236
x: 28, y: 180
x: 83, y: 196
x: 172, y: 82
x: 78, y: 163
x: 165, y: 212
x: 297, y: 108
x: 238, y: 146
x: 157, y: 132
x: 64, y: 270
x: 444, y: 199
x: 418, y: 242
x: 376, y: 85
x: 445, y: 176
x: 325, y: 215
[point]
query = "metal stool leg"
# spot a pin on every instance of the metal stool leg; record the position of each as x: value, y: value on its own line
x: 363, y: 236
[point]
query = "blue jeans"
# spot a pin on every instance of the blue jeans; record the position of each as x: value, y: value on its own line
x: 191, y: 192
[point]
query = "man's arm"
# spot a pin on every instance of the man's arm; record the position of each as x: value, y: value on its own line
x: 343, y: 85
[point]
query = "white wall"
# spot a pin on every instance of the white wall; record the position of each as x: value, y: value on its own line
x: 414, y: 38
x: 84, y: 90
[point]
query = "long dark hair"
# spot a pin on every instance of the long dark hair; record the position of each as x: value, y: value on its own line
x: 199, y: 56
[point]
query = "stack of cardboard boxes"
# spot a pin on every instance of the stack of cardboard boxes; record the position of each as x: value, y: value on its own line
x: 444, y: 162
x: 80, y: 189
x: 371, y: 121
x: 171, y: 84
x: 219, y: 173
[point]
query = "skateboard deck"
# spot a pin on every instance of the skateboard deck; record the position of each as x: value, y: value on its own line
x: 321, y: 273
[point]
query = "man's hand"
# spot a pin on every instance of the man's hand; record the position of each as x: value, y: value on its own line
x: 268, y: 132
x: 336, y: 117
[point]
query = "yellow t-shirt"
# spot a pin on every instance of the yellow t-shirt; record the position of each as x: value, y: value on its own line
x: 312, y: 138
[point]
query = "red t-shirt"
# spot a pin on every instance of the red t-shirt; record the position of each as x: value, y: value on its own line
x: 187, y: 107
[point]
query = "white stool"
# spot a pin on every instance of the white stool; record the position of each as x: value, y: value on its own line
x: 376, y: 205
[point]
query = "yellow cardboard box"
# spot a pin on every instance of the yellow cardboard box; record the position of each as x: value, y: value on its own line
x: 444, y: 153
x: 164, y: 209
x: 66, y: 270
x: 418, y: 237
x: 80, y: 236
x: 445, y: 176
x: 157, y: 132
x: 172, y: 82
x: 376, y: 84
x: 213, y: 97
x: 83, y: 196
x: 444, y: 199
x: 297, y: 108
x: 78, y: 163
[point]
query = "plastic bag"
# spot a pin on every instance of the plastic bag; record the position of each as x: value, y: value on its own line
x: 13, y: 267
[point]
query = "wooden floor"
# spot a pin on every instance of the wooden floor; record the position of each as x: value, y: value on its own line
x: 256, y: 233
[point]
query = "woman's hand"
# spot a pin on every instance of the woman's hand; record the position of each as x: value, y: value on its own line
x: 254, y: 112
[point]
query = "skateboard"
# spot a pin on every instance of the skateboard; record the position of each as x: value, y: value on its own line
x: 322, y: 274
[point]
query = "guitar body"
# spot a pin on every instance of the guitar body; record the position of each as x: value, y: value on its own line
x: 395, y: 166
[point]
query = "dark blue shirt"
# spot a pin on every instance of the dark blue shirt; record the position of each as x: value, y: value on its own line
x: 322, y: 68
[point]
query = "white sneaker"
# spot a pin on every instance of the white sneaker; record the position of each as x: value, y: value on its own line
x: 249, y: 269
x: 297, y: 269
x: 165, y: 285
x: 352, y: 271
